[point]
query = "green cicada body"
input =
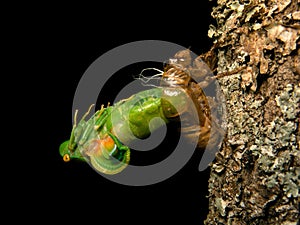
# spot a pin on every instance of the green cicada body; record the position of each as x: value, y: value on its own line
x: 103, y: 139
x: 99, y: 140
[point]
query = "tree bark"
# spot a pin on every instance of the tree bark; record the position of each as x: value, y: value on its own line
x: 255, y: 176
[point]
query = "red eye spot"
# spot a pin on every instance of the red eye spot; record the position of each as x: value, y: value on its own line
x: 66, y: 158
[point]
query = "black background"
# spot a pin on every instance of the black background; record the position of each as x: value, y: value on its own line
x: 59, y: 47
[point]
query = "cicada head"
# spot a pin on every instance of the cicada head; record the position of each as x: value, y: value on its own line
x: 68, y: 153
x: 91, y: 141
x: 69, y: 149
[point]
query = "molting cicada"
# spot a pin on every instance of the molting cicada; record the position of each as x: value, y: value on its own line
x: 101, y: 138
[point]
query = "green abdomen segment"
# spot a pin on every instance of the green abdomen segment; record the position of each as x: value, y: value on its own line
x: 131, y: 118
x: 142, y: 114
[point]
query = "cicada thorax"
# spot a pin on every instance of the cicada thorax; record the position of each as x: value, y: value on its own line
x: 192, y: 106
x: 98, y: 146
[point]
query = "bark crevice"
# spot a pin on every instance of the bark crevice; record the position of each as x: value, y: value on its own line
x: 255, y: 176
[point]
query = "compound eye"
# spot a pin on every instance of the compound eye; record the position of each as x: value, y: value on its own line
x: 66, y: 157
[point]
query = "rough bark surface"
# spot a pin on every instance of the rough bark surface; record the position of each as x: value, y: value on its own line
x: 255, y: 176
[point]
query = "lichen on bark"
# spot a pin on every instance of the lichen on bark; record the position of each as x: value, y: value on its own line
x: 255, y: 177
